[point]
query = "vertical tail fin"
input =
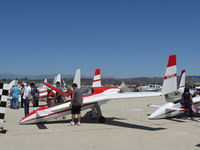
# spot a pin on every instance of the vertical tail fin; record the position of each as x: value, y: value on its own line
x: 77, y: 78
x: 57, y: 78
x: 170, y: 78
x: 64, y: 84
x: 13, y: 82
x: 181, y: 82
x: 45, y: 80
x: 97, y: 79
x: 44, y: 86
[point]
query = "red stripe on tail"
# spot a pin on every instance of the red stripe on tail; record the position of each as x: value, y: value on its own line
x: 96, y: 80
x: 169, y: 76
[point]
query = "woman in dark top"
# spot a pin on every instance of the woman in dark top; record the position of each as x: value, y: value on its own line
x: 187, y: 101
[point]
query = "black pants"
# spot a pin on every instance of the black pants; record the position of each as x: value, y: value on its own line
x: 22, y: 101
x: 188, y: 105
x: 35, y: 103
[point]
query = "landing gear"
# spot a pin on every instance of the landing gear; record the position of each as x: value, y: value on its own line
x: 3, y: 130
x: 102, y: 119
x: 96, y: 113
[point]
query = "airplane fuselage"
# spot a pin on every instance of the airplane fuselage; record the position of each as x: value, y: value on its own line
x: 47, y: 113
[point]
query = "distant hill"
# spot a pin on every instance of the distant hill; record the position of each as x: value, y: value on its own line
x: 32, y: 77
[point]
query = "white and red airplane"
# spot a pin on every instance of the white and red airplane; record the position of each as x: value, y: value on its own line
x: 173, y: 109
x: 99, y: 95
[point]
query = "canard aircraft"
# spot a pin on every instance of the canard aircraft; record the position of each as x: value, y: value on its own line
x: 97, y: 96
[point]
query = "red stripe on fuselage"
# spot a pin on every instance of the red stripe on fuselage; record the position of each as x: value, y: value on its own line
x: 97, y: 90
x: 52, y: 113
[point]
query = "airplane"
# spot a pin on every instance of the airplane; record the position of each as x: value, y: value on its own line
x: 173, y: 108
x: 98, y: 95
x: 151, y: 87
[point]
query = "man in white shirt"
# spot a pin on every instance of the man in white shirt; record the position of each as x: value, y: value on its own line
x: 27, y: 97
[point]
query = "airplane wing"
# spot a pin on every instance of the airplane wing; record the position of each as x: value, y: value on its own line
x: 106, y: 97
x: 119, y: 96
x: 57, y: 90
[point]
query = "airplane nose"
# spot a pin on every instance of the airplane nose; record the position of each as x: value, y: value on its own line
x: 154, y: 115
x: 151, y: 116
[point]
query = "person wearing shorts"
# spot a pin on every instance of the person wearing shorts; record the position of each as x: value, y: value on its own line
x: 76, y: 104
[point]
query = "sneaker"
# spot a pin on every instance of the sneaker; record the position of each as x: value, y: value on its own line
x: 78, y: 123
x: 72, y: 123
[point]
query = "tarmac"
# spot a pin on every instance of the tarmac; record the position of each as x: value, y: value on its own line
x: 127, y: 127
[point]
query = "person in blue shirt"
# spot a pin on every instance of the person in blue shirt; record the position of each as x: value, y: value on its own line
x: 15, y: 97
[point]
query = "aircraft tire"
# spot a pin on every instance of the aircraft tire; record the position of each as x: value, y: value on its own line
x: 3, y: 131
x: 102, y: 119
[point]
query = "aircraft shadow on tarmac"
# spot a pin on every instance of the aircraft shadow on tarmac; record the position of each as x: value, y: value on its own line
x: 109, y: 121
x: 182, y: 117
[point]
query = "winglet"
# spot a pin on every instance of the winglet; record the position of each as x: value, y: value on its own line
x: 181, y: 82
x: 170, y: 78
x: 97, y: 79
x: 57, y: 78
x: 77, y: 78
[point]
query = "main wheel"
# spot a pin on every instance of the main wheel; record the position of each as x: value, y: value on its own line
x: 3, y: 131
x: 102, y: 119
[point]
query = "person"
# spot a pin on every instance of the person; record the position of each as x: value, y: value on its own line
x: 59, y: 98
x: 36, y: 95
x: 187, y: 102
x: 15, y: 97
x: 22, y: 93
x: 50, y: 97
x: 27, y: 98
x: 76, y: 104
x: 11, y: 100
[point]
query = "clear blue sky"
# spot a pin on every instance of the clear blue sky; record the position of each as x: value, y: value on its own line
x: 125, y: 38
